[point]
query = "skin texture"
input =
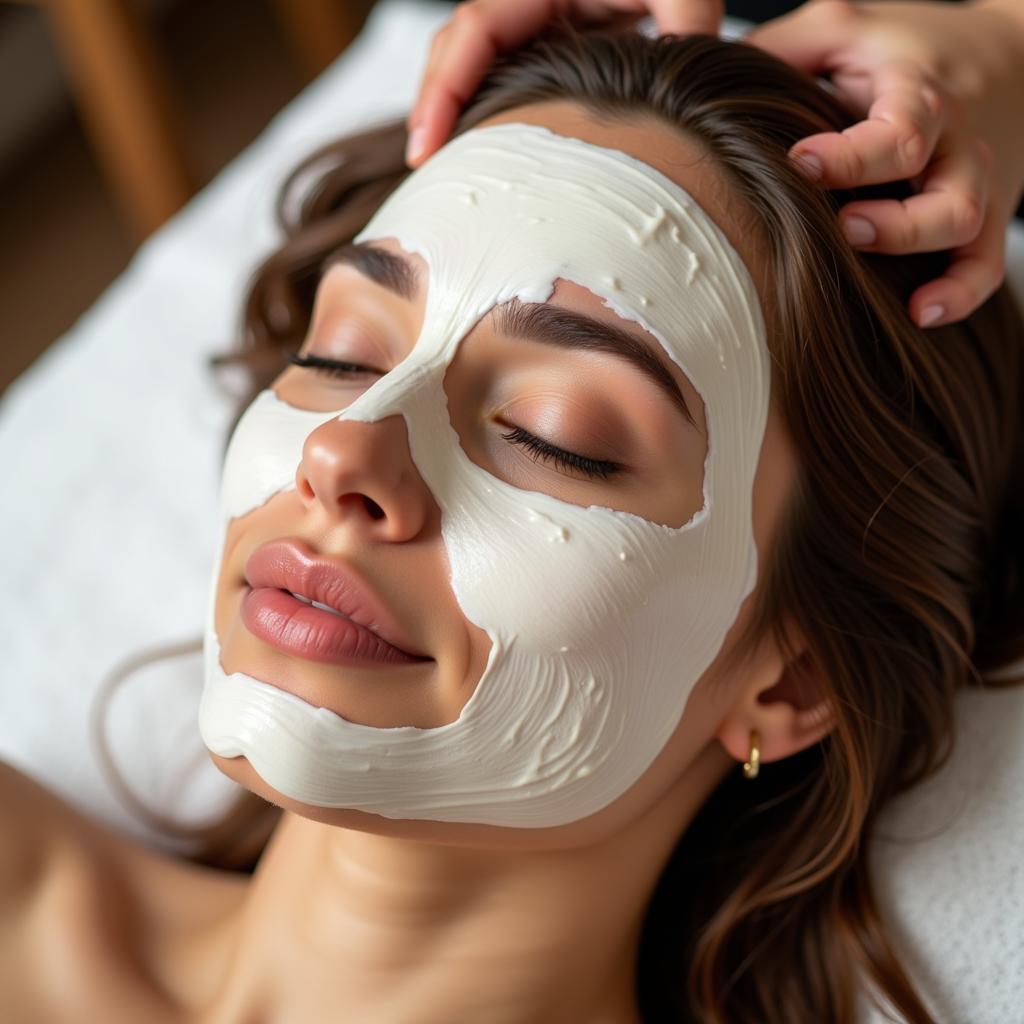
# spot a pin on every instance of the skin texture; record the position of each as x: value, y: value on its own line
x: 429, y: 921
x: 937, y: 85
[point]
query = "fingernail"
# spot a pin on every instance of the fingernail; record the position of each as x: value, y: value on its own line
x: 414, y: 147
x: 809, y: 164
x: 859, y: 231
x: 931, y: 314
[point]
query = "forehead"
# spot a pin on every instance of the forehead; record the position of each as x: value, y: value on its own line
x: 681, y: 158
x: 508, y: 209
x: 504, y: 210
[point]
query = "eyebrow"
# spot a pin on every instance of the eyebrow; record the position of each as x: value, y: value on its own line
x: 396, y: 273
x: 554, y: 325
x: 535, y: 321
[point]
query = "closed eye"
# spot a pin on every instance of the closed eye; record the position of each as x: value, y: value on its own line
x: 543, y: 451
x: 539, y: 449
x: 331, y: 367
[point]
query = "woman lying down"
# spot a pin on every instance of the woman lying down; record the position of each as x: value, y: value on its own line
x: 602, y: 550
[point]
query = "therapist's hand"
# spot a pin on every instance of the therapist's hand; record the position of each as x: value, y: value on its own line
x: 479, y: 30
x: 942, y: 90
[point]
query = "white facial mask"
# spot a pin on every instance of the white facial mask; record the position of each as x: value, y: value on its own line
x: 601, y: 622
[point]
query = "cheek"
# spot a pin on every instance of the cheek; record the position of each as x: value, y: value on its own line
x: 537, y: 581
x: 242, y: 535
x: 264, y: 452
x: 774, y: 483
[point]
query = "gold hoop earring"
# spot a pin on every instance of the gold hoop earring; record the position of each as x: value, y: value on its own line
x: 753, y: 765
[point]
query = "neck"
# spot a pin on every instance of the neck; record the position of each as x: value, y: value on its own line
x: 399, y: 930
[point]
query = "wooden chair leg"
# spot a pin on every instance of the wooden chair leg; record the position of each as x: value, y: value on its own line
x: 321, y: 29
x: 125, y: 102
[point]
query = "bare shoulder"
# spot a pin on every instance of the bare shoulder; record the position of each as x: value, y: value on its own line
x: 102, y: 911
x: 44, y: 838
x: 42, y: 833
x: 15, y: 788
x: 28, y: 813
x: 54, y: 880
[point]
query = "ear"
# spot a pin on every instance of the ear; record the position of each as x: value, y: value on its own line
x: 786, y: 704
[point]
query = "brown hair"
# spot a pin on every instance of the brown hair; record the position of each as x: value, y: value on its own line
x: 899, y: 561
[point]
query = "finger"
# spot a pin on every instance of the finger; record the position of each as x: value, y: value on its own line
x: 895, y: 141
x: 685, y: 16
x: 467, y: 45
x: 976, y: 272
x: 460, y: 55
x: 948, y: 212
x: 437, y: 118
x: 810, y: 37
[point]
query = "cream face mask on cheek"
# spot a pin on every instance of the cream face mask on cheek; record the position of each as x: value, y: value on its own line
x: 601, y: 622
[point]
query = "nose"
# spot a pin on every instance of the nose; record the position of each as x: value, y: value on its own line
x: 363, y: 474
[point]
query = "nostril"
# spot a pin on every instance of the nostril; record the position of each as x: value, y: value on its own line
x: 376, y: 512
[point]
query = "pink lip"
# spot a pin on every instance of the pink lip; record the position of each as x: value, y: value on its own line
x: 363, y: 634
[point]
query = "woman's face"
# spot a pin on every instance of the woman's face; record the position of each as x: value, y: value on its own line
x: 563, y: 398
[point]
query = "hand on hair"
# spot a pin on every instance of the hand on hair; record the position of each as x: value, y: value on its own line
x: 941, y: 86
x: 479, y: 30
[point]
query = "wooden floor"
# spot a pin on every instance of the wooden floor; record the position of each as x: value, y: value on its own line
x: 62, y: 236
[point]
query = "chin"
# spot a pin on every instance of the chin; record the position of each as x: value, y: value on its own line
x: 239, y: 770
x: 583, y: 832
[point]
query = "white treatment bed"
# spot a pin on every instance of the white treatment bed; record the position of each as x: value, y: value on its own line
x: 110, y: 448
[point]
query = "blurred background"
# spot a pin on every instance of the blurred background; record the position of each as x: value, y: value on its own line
x: 112, y: 114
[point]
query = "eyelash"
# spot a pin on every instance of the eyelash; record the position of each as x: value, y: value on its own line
x: 538, y: 447
x: 545, y: 452
x: 329, y: 367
